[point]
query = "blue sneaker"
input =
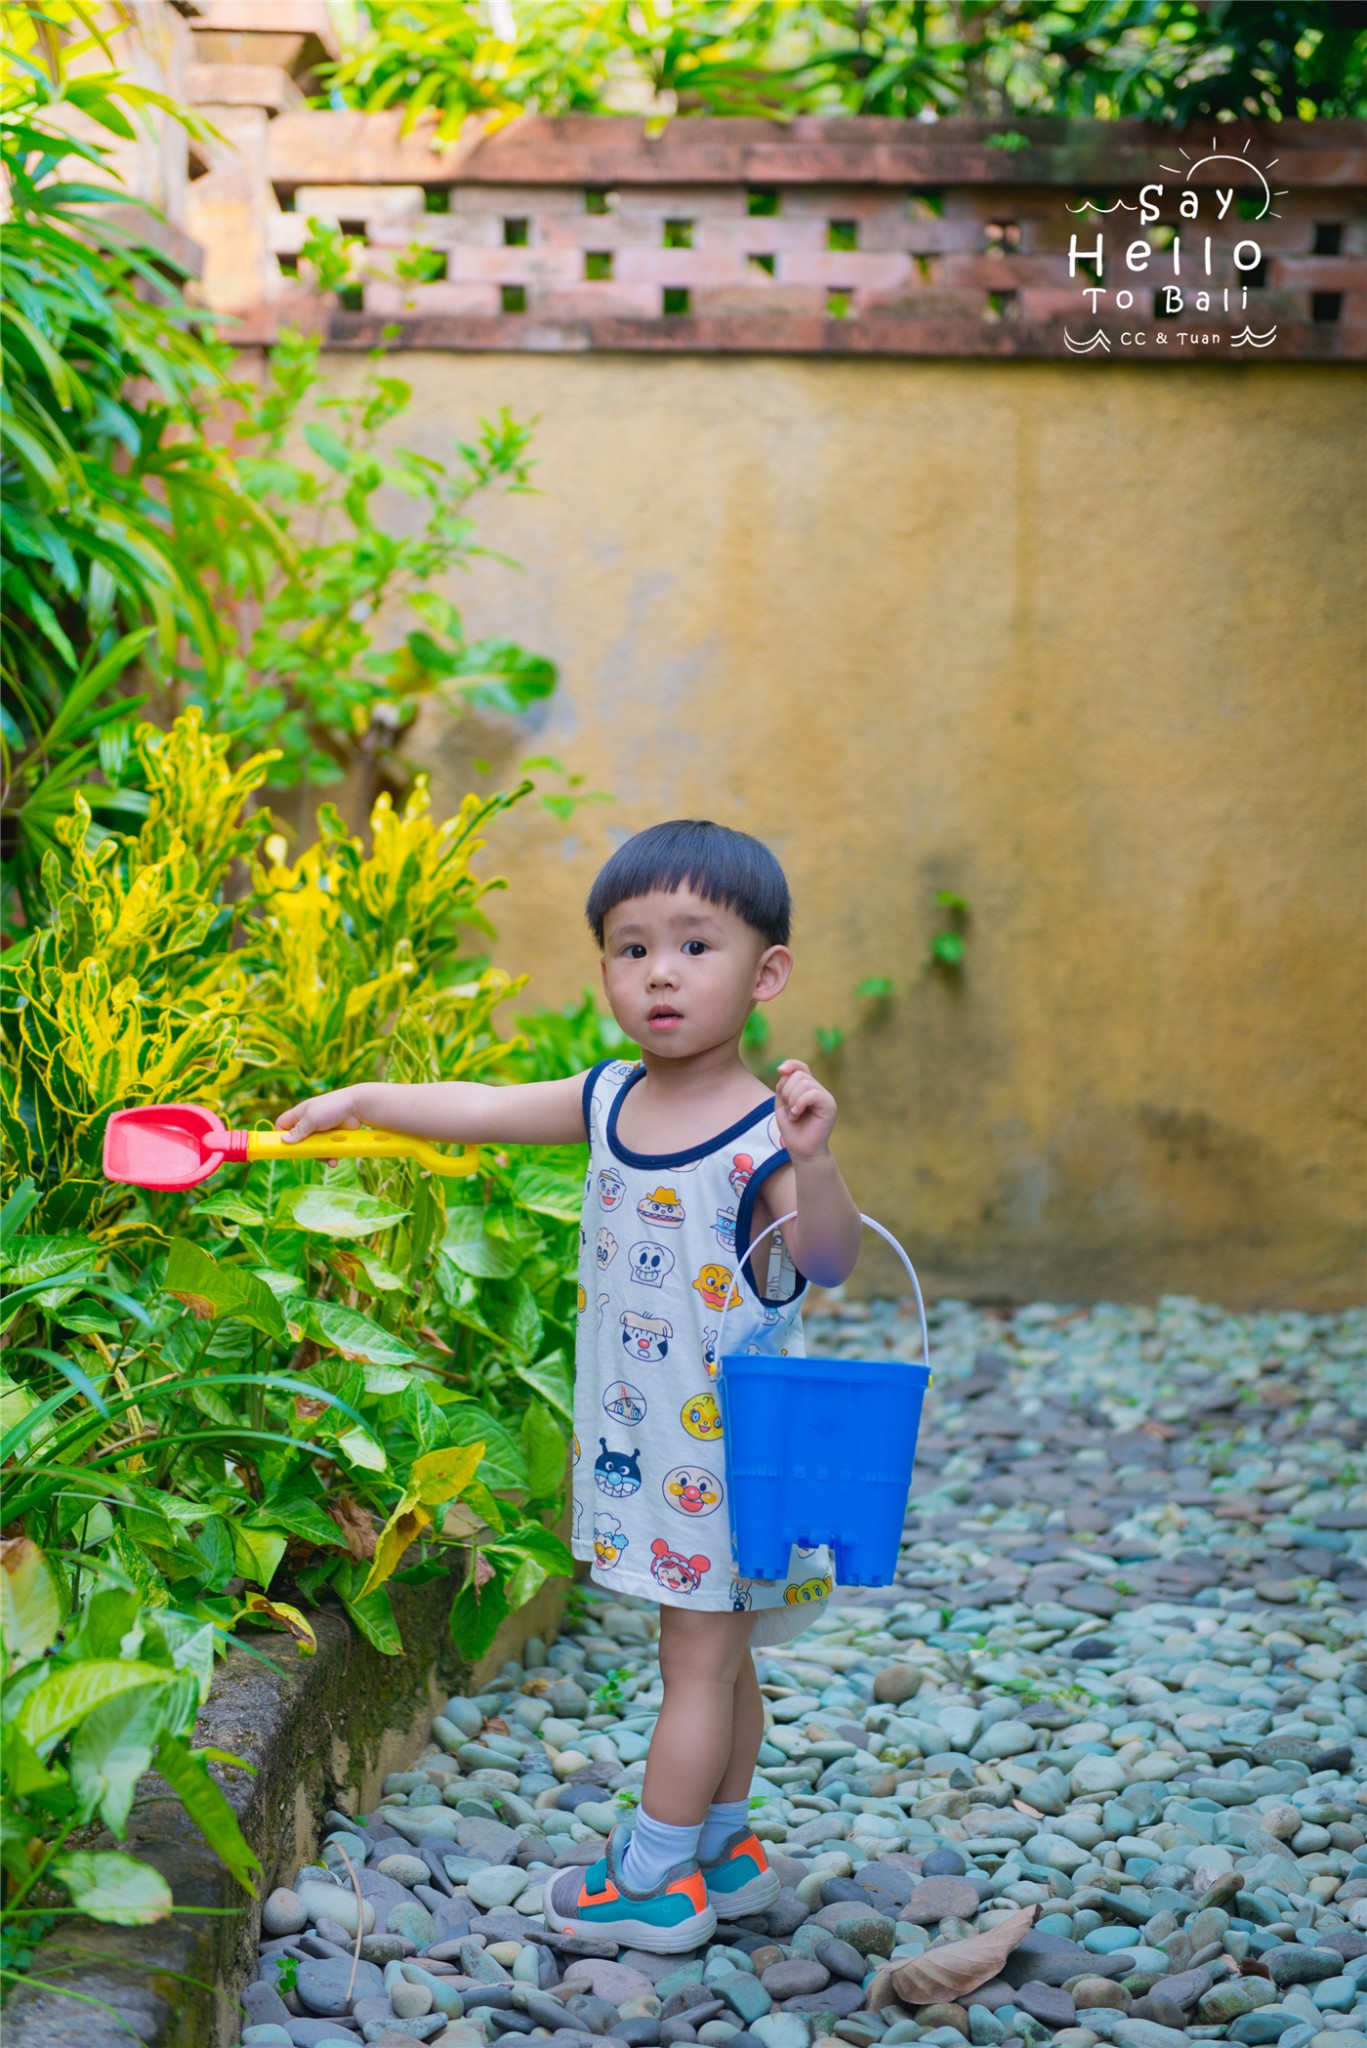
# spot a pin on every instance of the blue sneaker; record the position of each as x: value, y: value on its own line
x: 598, y: 1900
x: 739, y: 1880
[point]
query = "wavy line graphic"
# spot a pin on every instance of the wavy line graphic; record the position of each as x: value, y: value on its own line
x: 1250, y: 339
x: 1112, y: 208
x: 1082, y: 348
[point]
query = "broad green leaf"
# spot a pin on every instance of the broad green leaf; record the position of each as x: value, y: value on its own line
x: 471, y: 1250
x: 326, y: 443
x: 232, y: 1204
x: 111, y: 1885
x: 503, y: 1466
x: 257, y: 1553
x: 284, y: 1286
x: 109, y: 1753
x: 476, y: 1618
x: 26, y: 1775
x: 188, y: 1776
x: 549, y: 1193
x: 552, y: 1378
x: 30, y: 1605
x: 210, y: 1290
x: 300, y: 1514
x: 39, y: 1258
x: 374, y: 1617
x: 338, y: 1212
x: 109, y: 1616
x: 70, y: 1692
x: 348, y: 1332
x: 545, y: 1447
x: 360, y: 1448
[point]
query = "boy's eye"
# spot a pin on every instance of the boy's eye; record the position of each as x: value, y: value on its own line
x: 701, y: 945
x: 633, y: 950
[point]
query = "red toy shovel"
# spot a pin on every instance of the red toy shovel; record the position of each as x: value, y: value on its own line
x: 174, y: 1145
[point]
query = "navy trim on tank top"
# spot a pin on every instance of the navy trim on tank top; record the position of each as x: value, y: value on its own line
x: 628, y: 1158
x: 745, y: 1213
x: 590, y: 1083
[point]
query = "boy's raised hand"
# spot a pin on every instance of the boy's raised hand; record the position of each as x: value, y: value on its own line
x: 335, y: 1111
x: 804, y: 1110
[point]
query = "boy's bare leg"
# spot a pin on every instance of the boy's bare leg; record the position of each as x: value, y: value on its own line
x: 747, y: 1733
x: 702, y: 1658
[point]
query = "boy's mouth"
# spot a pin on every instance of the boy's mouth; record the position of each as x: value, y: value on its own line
x: 663, y: 1018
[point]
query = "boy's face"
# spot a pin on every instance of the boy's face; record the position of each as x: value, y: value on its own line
x: 681, y: 974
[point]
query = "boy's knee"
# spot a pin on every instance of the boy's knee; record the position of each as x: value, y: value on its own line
x: 703, y: 1647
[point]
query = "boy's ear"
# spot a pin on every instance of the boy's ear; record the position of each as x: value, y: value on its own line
x: 774, y: 966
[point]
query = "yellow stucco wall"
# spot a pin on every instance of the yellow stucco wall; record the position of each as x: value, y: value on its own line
x: 1083, y: 643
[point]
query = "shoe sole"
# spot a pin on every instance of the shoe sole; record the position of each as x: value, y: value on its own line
x: 755, y: 1897
x: 663, y: 1941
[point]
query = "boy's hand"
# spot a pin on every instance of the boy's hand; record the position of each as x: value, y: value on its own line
x: 804, y: 1110
x: 335, y: 1111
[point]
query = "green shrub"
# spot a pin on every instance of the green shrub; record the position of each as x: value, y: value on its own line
x: 299, y: 1380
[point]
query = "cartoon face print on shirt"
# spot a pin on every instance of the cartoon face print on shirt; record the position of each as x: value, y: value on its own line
x: 625, y: 1403
x: 645, y: 1338
x: 692, y: 1490
x: 725, y: 1228
x: 609, y: 1539
x: 611, y: 1188
x: 650, y: 1264
x: 742, y: 1599
x: 605, y: 1249
x: 662, y: 1207
x: 709, y: 1353
x: 675, y: 1572
x: 742, y: 1166
x: 616, y: 1473
x: 712, y: 1283
x: 701, y: 1416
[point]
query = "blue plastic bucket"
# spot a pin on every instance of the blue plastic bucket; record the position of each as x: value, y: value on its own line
x: 820, y: 1451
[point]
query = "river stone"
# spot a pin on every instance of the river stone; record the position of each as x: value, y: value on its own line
x: 336, y: 1902
x: 284, y: 1912
x: 841, y: 1959
x: 497, y: 1886
x: 1293, y: 1964
x: 937, y: 1896
x: 613, y: 1981
x: 1225, y: 2002
x: 1098, y: 1991
x: 404, y: 1870
x: 790, y: 1979
x: 896, y: 1683
x: 1047, y: 2003
x: 322, y: 1986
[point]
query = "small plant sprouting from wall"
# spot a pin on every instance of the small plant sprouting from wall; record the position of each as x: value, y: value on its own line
x: 944, y: 956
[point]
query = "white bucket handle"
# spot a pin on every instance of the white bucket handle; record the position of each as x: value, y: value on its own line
x: 869, y: 1224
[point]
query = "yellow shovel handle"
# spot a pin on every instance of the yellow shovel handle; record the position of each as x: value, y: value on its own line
x: 363, y: 1145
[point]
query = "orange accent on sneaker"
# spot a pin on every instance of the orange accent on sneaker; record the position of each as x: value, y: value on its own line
x: 751, y: 1846
x: 606, y: 1897
x: 695, y: 1888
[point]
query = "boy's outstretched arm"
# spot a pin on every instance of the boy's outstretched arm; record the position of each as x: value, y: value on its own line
x: 454, y: 1112
x: 823, y: 1241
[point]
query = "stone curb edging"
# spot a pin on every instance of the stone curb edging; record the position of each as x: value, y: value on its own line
x: 313, y: 1728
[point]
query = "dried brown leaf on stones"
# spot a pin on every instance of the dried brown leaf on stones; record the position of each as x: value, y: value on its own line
x: 954, y: 1968
x: 1022, y: 1806
x: 355, y: 1522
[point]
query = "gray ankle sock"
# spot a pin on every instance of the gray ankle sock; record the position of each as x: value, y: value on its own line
x: 724, y: 1816
x: 654, y: 1848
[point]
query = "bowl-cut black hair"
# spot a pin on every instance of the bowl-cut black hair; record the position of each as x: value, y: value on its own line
x: 725, y: 867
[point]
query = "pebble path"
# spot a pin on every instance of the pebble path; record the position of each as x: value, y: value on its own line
x: 1115, y: 1706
